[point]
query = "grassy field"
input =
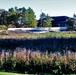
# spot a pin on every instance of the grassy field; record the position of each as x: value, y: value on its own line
x: 10, y: 34
x: 41, y: 43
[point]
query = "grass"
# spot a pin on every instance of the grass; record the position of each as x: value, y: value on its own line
x: 6, y: 34
x: 16, y: 34
x: 27, y: 61
x: 8, y: 73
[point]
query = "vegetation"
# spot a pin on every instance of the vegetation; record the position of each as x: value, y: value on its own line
x: 36, y: 62
x: 42, y: 54
x: 30, y: 18
x: 21, y: 34
x: 9, y: 73
x: 70, y: 22
x: 22, y: 17
x: 55, y: 41
x: 42, y: 44
x: 45, y: 20
x: 3, y: 27
x: 29, y: 53
x: 19, y: 17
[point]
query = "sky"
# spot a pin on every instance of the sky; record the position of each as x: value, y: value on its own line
x: 50, y: 7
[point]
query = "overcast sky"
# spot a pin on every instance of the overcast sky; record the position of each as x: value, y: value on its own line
x: 51, y: 7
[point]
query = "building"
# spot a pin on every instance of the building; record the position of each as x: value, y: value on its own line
x: 59, y: 21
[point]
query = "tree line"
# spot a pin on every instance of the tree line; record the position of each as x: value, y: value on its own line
x: 22, y: 17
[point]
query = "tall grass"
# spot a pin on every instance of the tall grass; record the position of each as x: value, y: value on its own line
x: 38, y: 53
x: 27, y: 61
x: 42, y: 44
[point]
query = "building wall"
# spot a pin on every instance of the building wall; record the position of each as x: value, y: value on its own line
x: 60, y: 21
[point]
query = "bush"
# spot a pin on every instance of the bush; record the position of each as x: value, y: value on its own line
x: 3, y: 27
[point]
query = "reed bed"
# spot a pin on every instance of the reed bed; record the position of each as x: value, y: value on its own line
x: 28, y: 61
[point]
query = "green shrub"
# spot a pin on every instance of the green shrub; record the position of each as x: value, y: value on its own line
x: 3, y: 27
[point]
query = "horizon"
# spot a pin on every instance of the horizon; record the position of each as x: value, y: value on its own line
x: 51, y: 7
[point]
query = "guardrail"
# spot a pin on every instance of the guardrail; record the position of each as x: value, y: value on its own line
x: 39, y: 29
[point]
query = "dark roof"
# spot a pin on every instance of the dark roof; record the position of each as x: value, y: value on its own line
x: 60, y: 17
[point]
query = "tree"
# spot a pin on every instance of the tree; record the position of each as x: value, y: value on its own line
x: 30, y: 18
x: 12, y: 15
x: 19, y: 16
x: 22, y: 15
x: 70, y: 22
x: 47, y: 22
x: 42, y: 16
x: 3, y: 18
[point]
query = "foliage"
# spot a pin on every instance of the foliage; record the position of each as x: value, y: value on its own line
x: 3, y: 27
x: 45, y: 20
x: 28, y: 61
x: 70, y: 22
x: 52, y: 41
x: 42, y: 44
x: 12, y: 16
x: 19, y: 16
x: 30, y: 18
x: 10, y: 73
x: 3, y: 18
x: 42, y: 15
x: 35, y: 62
